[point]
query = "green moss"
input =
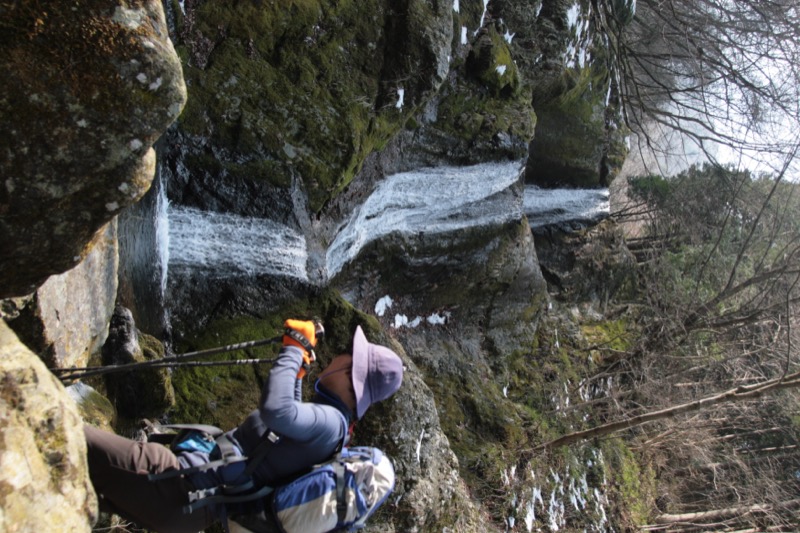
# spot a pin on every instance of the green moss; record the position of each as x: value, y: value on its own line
x: 486, y: 431
x: 635, y: 482
x: 489, y: 98
x: 97, y: 410
x: 491, y: 62
x: 608, y: 337
x: 224, y: 395
x: 295, y: 84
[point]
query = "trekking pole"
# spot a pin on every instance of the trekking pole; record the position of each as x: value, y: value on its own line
x: 71, y: 374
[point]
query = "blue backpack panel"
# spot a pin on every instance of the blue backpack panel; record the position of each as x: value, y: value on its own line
x: 338, y: 495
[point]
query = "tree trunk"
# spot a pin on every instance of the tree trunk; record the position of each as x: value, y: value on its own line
x: 721, y: 514
x: 732, y: 395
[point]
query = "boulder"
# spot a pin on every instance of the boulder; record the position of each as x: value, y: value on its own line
x: 66, y: 319
x: 143, y: 392
x: 88, y: 91
x: 45, y: 483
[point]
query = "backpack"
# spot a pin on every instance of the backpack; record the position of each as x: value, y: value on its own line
x: 339, y: 495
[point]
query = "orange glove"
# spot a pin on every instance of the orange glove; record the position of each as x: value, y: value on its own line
x: 303, y: 334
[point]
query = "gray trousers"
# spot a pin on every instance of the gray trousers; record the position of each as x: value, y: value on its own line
x: 119, y: 467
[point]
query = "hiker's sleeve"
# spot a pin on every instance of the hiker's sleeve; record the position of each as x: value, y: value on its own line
x: 298, y: 390
x: 280, y: 409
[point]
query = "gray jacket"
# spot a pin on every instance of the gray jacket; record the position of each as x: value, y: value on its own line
x: 310, y: 432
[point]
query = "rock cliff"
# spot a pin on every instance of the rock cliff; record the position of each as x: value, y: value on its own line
x: 89, y: 89
x: 299, y: 115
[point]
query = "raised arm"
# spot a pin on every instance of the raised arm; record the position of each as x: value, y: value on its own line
x: 281, y: 408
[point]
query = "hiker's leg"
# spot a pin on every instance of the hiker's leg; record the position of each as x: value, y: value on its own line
x: 119, y: 468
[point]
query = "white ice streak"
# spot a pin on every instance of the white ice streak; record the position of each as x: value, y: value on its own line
x: 436, y: 319
x: 430, y: 200
x: 419, y: 445
x: 577, y: 51
x: 530, y: 515
x: 573, y: 487
x: 530, y: 508
x: 500, y: 69
x: 464, y: 39
x: 455, y: 6
x: 555, y: 513
x: 403, y: 321
x: 223, y: 244
x: 551, y: 206
x: 383, y: 304
x: 509, y: 475
x: 401, y: 93
x: 162, y: 234
x: 572, y: 15
x: 483, y: 16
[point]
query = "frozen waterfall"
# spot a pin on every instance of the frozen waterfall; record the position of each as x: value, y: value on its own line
x: 223, y: 245
x: 553, y: 206
x: 435, y: 200
x: 430, y: 200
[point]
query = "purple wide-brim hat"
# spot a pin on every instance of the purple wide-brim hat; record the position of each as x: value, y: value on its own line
x: 377, y: 372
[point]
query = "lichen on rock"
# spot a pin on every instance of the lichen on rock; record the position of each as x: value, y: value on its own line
x: 91, y: 86
x: 45, y: 484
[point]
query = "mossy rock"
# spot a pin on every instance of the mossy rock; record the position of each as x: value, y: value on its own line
x: 484, y: 112
x: 306, y: 90
x: 95, y: 409
x: 144, y: 392
x: 491, y: 62
x: 580, y: 140
x: 634, y: 480
x: 225, y: 395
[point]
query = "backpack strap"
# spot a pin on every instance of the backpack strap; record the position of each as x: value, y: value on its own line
x: 232, y: 493
x: 243, y: 492
x: 201, y: 498
x: 229, y: 453
x: 341, y: 497
x: 214, y: 431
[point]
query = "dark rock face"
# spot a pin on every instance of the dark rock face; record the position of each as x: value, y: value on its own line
x: 88, y: 92
x: 297, y: 115
x: 143, y: 392
x: 579, y: 140
x: 299, y: 95
x: 585, y: 265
